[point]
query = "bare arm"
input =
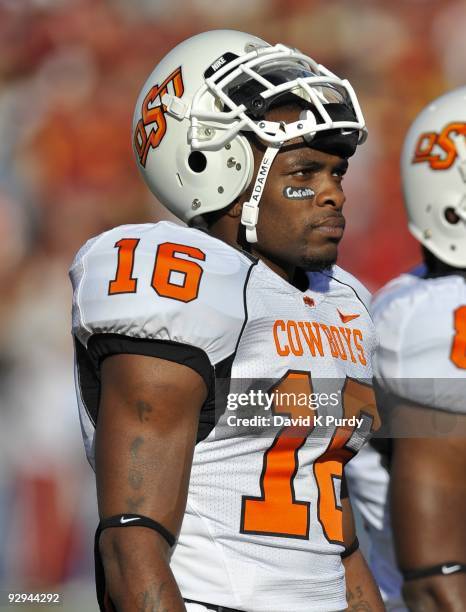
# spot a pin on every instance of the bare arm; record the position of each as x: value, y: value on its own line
x: 145, y: 439
x: 362, y: 593
x: 428, y: 497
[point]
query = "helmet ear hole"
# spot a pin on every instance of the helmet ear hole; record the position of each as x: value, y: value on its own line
x: 197, y: 161
x: 451, y: 216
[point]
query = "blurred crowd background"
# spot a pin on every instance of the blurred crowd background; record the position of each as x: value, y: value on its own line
x: 70, y: 71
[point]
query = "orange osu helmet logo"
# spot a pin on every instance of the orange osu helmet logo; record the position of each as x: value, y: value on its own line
x: 445, y: 144
x: 153, y: 114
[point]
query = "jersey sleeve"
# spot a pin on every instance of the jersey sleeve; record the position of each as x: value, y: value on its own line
x: 415, y: 322
x: 160, y: 283
x: 160, y: 290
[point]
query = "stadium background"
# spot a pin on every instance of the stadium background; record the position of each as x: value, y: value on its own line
x: 70, y: 71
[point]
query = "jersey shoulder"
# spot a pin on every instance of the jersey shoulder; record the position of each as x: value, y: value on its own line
x: 162, y: 282
x: 339, y: 280
x: 416, y: 320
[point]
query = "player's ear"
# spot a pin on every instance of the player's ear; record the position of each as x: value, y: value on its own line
x: 235, y: 209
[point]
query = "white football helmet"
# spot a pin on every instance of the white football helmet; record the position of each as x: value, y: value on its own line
x: 194, y: 108
x: 433, y: 168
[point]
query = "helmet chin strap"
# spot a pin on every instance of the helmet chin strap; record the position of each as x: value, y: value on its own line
x: 250, y: 212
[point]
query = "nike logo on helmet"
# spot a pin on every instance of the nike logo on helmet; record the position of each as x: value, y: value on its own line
x: 124, y: 520
x: 347, y: 318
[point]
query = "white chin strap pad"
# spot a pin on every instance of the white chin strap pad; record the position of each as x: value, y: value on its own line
x: 460, y: 143
x: 250, y: 212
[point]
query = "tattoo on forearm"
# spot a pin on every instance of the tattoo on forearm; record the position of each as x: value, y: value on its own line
x: 135, y: 479
x: 135, y: 476
x: 143, y: 409
x: 356, y: 601
x: 151, y: 601
x: 135, y: 446
x: 133, y: 504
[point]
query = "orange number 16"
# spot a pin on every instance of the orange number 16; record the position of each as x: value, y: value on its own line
x: 166, y: 263
x: 277, y: 511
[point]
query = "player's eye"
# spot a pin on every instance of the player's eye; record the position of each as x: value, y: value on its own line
x: 302, y: 172
x: 339, y: 171
x: 339, y: 174
x: 304, y: 169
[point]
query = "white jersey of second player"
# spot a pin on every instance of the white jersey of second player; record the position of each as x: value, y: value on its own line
x: 421, y: 357
x: 262, y: 530
x: 421, y: 325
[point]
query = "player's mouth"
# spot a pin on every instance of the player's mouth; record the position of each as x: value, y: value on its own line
x: 332, y: 227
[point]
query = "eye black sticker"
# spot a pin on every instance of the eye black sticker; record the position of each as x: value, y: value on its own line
x: 292, y: 193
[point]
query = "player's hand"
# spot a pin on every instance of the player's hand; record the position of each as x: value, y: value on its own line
x: 436, y: 594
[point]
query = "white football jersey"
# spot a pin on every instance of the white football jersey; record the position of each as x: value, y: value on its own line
x: 262, y: 529
x: 421, y: 325
x: 421, y: 357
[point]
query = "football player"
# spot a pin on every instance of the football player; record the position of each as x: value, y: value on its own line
x: 421, y: 369
x: 247, y: 143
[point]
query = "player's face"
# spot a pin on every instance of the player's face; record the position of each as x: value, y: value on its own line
x: 300, y: 219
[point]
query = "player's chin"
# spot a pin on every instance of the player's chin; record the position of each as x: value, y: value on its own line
x: 320, y: 258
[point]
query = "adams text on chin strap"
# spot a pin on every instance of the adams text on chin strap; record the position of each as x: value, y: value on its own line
x: 250, y: 212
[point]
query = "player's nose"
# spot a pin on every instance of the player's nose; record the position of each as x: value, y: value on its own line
x: 331, y: 194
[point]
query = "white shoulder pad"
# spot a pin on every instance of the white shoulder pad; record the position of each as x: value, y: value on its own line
x: 160, y: 282
x: 323, y: 281
x: 420, y: 350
